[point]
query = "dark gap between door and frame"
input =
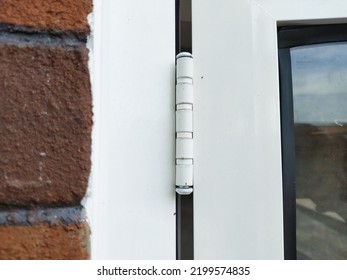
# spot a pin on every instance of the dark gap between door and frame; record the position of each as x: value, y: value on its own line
x: 184, y: 203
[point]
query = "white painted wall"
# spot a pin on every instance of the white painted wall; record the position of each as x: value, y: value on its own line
x: 133, y: 193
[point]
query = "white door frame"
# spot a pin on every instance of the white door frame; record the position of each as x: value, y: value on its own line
x: 238, y: 209
x: 131, y: 204
x: 238, y: 180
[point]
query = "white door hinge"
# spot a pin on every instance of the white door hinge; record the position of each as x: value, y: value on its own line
x: 184, y: 124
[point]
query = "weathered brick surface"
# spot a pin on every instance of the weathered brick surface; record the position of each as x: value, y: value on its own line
x: 61, y: 233
x: 57, y: 242
x: 45, y: 128
x: 70, y: 15
x: 45, y: 125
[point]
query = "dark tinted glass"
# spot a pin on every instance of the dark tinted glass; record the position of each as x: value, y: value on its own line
x: 319, y: 75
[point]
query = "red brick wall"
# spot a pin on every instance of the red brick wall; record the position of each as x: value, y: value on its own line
x: 45, y: 128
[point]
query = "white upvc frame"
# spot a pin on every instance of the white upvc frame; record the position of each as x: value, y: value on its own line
x: 131, y: 201
x: 238, y: 214
x: 238, y: 174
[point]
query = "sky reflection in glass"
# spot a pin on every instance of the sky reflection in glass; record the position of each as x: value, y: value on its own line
x: 320, y: 83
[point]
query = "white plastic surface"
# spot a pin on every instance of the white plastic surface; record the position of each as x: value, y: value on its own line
x: 184, y: 175
x: 237, y: 166
x: 184, y: 190
x: 184, y: 106
x: 184, y: 135
x: 184, y: 161
x: 135, y: 189
x: 183, y: 54
x: 184, y: 121
x: 184, y: 148
x: 184, y: 93
x: 184, y: 68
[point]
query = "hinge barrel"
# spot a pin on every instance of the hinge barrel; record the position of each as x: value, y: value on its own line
x: 184, y: 124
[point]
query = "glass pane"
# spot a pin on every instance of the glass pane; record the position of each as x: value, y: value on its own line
x: 319, y: 75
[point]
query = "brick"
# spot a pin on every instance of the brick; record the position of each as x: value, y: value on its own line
x: 54, y: 15
x: 41, y: 242
x: 45, y: 124
x: 59, y: 234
